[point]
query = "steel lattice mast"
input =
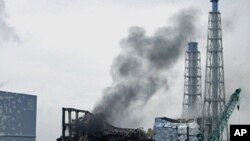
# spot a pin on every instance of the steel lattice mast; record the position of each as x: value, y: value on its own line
x: 192, y: 82
x: 214, y: 97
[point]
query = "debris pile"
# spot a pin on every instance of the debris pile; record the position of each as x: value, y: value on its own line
x: 92, y: 127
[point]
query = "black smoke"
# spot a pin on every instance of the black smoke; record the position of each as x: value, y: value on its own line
x: 138, y: 72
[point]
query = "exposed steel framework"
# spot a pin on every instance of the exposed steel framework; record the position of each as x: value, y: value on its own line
x: 214, y: 97
x: 192, y: 82
x: 81, y: 125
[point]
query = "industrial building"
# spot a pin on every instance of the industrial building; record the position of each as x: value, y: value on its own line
x: 189, y: 127
x: 204, y: 117
x: 215, y: 112
x: 17, y: 116
x: 166, y: 129
x: 80, y: 125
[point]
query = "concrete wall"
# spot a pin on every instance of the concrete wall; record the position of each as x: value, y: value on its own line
x: 17, y: 117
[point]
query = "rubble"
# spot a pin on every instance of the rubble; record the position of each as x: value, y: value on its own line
x: 92, y: 127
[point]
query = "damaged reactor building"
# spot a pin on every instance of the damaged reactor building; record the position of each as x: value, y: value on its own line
x: 81, y: 125
x: 205, y: 114
x: 204, y: 117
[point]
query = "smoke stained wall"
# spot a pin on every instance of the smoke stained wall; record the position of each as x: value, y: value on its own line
x: 138, y: 71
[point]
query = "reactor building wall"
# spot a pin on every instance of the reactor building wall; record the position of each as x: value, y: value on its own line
x: 17, y: 117
x: 166, y: 129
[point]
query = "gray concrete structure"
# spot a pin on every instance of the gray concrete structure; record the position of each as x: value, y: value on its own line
x: 166, y: 129
x: 17, y: 117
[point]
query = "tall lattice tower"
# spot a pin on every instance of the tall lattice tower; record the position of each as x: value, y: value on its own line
x: 192, y: 82
x: 214, y: 97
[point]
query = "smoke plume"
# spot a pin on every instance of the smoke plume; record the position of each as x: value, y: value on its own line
x: 138, y: 72
x: 6, y: 31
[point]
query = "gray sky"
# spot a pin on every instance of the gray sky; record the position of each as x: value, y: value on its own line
x: 65, y: 50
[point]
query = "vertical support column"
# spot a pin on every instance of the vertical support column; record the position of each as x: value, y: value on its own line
x: 77, y: 115
x: 187, y: 133
x: 63, y: 124
x: 69, y: 122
